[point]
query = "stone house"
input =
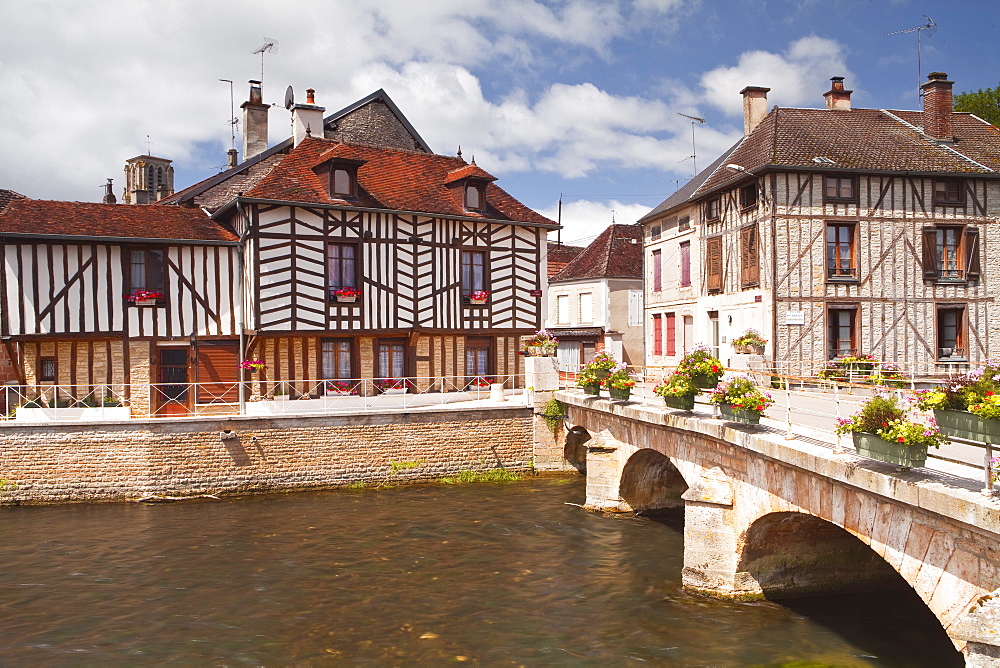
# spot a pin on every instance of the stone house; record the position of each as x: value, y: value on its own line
x: 595, y: 300
x: 835, y: 231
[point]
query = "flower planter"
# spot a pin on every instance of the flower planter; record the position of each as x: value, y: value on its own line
x: 395, y: 390
x: 962, y: 424
x: 683, y: 402
x: 602, y: 374
x: 477, y: 301
x: 145, y: 302
x: 347, y: 300
x: 741, y: 348
x: 619, y: 395
x: 874, y: 447
x: 705, y: 380
x: 592, y: 389
x: 733, y: 414
x: 281, y: 397
x: 755, y: 349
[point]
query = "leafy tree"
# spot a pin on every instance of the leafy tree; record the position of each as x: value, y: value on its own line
x: 982, y: 103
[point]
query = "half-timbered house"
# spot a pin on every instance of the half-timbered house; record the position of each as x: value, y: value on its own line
x: 836, y: 231
x: 103, y: 299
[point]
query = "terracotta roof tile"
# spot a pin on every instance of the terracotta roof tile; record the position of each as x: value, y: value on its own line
x: 615, y: 253
x: 387, y: 179
x: 559, y: 256
x: 87, y: 219
x: 8, y: 195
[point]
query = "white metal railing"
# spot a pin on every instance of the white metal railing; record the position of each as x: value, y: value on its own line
x: 45, y: 402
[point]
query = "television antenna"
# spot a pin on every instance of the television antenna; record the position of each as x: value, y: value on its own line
x: 694, y: 153
x: 930, y: 28
x: 270, y: 46
x: 233, y: 121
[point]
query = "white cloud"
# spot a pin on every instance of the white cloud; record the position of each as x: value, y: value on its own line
x: 584, y: 219
x: 795, y: 77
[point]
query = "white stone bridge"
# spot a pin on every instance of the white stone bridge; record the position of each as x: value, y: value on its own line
x: 771, y: 517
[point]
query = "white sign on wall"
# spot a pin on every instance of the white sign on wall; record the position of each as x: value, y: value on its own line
x: 795, y: 318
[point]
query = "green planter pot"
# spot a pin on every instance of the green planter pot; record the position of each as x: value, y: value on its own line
x: 592, y: 389
x: 683, y: 403
x: 962, y: 424
x: 620, y: 395
x: 705, y: 380
x: 737, y: 415
x: 870, y: 445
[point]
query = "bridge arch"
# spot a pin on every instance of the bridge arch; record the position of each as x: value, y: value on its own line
x: 789, y: 554
x: 650, y: 481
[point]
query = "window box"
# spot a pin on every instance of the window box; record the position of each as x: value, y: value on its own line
x: 875, y: 447
x: 733, y: 414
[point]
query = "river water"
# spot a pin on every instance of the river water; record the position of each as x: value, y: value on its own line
x: 496, y: 574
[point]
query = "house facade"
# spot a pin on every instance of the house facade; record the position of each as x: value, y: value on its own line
x: 356, y: 258
x: 835, y: 232
x: 595, y: 300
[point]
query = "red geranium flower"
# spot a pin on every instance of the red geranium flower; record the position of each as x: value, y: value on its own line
x: 989, y: 394
x: 900, y: 439
x: 715, y: 368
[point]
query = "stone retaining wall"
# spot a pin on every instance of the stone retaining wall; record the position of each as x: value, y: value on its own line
x: 115, y: 462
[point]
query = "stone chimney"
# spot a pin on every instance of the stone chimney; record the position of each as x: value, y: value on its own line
x: 307, y: 119
x: 838, y: 99
x: 232, y: 158
x: 109, y: 195
x: 938, y: 106
x: 754, y: 107
x: 254, y: 122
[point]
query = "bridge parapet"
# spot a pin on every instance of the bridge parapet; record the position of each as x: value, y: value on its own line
x: 767, y: 516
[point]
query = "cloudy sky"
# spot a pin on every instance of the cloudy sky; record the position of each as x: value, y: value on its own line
x: 578, y: 98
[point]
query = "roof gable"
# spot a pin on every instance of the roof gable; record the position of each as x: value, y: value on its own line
x: 615, y: 253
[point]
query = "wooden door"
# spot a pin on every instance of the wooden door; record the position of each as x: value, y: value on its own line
x: 172, y: 391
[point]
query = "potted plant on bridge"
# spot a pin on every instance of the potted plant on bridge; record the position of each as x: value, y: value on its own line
x: 619, y: 383
x: 750, y: 342
x: 601, y: 365
x: 741, y: 401
x: 881, y: 430
x: 542, y: 344
x: 967, y: 407
x: 589, y: 381
x: 678, y: 391
x: 704, y: 368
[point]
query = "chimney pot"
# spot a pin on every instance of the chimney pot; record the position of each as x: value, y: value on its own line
x: 938, y: 106
x: 754, y: 107
x: 232, y: 158
x: 310, y: 96
x: 837, y: 99
x: 109, y: 195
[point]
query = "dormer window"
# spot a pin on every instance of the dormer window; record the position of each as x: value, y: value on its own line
x: 343, y: 183
x: 342, y: 177
x: 475, y: 197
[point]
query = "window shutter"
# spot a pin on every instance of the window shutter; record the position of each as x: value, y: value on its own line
x: 930, y: 253
x: 634, y: 308
x: 713, y: 263
x: 218, y: 372
x: 749, y: 260
x: 972, y: 270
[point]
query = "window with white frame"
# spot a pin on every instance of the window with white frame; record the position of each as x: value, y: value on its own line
x: 586, y: 307
x: 562, y: 309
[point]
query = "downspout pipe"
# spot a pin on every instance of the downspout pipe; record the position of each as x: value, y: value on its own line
x: 241, y: 310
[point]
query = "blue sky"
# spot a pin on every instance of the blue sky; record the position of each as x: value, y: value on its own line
x: 579, y: 98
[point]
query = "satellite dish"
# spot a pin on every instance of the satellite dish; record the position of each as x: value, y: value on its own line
x: 289, y: 98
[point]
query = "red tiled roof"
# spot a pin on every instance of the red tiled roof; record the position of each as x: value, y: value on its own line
x: 559, y: 256
x: 42, y: 217
x: 388, y: 179
x: 219, y: 190
x: 8, y: 195
x: 864, y: 139
x: 615, y: 253
x: 465, y: 172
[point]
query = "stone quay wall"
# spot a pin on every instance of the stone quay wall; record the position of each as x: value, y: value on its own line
x: 239, y: 455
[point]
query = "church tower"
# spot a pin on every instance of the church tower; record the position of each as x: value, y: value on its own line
x: 147, y: 179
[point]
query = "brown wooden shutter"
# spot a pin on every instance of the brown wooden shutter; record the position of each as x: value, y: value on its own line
x: 972, y: 269
x: 930, y: 254
x: 713, y: 263
x: 218, y: 372
x: 749, y: 257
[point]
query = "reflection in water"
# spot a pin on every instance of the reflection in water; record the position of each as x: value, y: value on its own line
x: 497, y: 574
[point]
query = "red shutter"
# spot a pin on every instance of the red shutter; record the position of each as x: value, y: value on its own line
x: 657, y: 335
x: 713, y: 263
x: 671, y: 334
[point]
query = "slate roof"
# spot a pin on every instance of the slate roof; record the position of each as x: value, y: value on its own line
x: 8, y: 195
x: 388, y: 179
x: 559, y: 256
x: 615, y: 253
x: 87, y: 219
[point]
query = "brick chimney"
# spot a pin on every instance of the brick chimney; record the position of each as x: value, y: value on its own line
x: 307, y: 119
x: 938, y: 106
x: 109, y: 196
x: 254, y: 122
x: 838, y: 99
x: 754, y: 107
